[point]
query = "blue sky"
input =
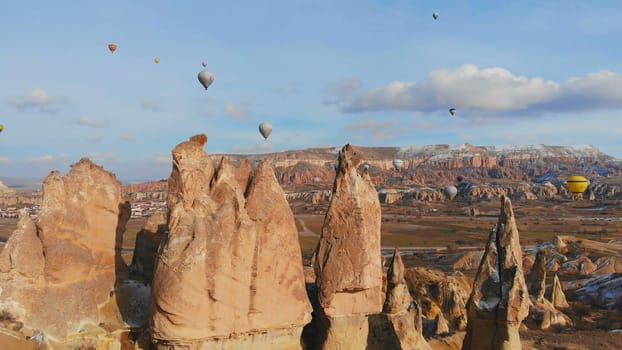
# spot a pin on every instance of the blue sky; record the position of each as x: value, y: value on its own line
x: 324, y: 73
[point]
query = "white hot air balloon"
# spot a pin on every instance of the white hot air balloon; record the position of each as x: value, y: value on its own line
x: 452, y: 111
x: 435, y: 15
x: 450, y: 192
x: 265, y: 129
x: 397, y: 163
x: 206, y: 78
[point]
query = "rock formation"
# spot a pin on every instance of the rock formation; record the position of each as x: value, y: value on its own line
x: 146, y: 246
x: 59, y: 275
x: 402, y: 316
x: 499, y: 301
x: 229, y: 274
x: 348, y: 263
x: 537, y: 277
x: 557, y: 297
x: 442, y: 299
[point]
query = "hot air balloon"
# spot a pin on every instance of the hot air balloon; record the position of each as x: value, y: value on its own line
x: 1, y: 127
x: 397, y: 163
x: 112, y: 47
x: 156, y: 60
x: 206, y: 78
x: 366, y: 166
x: 452, y: 111
x: 450, y: 192
x: 577, y: 185
x: 435, y: 15
x: 204, y: 63
x: 265, y: 129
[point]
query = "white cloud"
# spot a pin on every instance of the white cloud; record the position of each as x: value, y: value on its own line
x: 151, y: 106
x: 239, y: 112
x: 262, y: 147
x: 99, y: 157
x: 341, y: 91
x: 163, y: 158
x: 43, y: 159
x: 378, y: 130
x: 126, y: 137
x: 38, y: 98
x: 4, y: 159
x: 493, y: 89
x: 88, y: 121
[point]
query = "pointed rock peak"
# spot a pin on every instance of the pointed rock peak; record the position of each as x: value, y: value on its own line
x: 201, y: 139
x: 499, y: 301
x: 395, y: 274
x: 558, y: 298
x: 191, y: 174
x: 348, y: 159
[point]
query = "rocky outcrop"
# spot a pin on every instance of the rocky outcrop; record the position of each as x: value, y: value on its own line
x: 499, y: 301
x: 146, y: 246
x: 231, y: 257
x: 59, y: 275
x: 537, y: 277
x: 604, y: 291
x: 557, y: 296
x: 543, y: 315
x: 403, y: 316
x: 442, y: 299
x: 348, y: 263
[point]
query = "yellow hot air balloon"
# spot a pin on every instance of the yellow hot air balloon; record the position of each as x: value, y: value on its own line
x: 1, y: 127
x: 577, y: 185
x: 157, y: 60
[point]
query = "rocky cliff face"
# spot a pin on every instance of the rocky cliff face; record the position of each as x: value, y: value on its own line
x: 231, y: 256
x: 59, y: 275
x: 500, y: 300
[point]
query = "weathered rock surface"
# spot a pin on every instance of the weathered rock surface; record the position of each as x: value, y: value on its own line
x: 537, y: 277
x: 499, y: 301
x: 557, y: 297
x: 231, y: 259
x: 402, y: 314
x: 146, y: 246
x: 442, y: 298
x: 348, y: 263
x: 604, y: 291
x: 59, y: 275
x: 543, y: 315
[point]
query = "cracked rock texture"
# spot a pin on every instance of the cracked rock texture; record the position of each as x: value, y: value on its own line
x: 229, y: 274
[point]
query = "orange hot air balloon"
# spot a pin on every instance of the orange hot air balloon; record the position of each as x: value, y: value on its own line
x: 112, y: 47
